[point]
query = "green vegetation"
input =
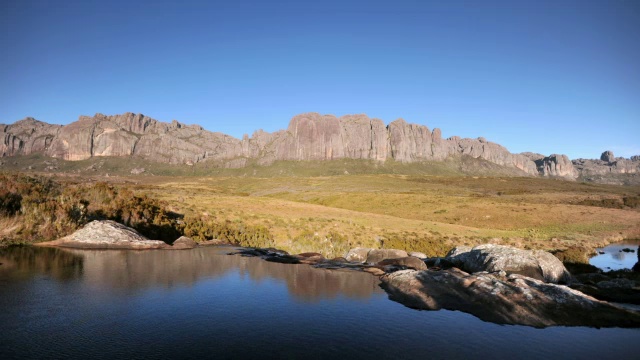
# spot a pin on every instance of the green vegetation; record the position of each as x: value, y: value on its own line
x: 44, y: 209
x: 430, y: 208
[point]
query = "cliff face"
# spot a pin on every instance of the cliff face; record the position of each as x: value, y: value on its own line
x: 309, y: 136
x: 26, y: 136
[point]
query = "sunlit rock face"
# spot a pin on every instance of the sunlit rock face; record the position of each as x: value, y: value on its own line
x: 26, y: 136
x: 309, y: 137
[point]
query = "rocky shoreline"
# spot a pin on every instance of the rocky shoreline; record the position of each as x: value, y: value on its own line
x: 495, y: 283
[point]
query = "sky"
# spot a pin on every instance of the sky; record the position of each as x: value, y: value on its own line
x: 543, y: 76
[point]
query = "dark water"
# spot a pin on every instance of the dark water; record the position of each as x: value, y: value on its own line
x: 203, y: 304
x: 616, y: 259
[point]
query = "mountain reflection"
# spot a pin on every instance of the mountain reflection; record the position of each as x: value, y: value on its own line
x: 134, y: 270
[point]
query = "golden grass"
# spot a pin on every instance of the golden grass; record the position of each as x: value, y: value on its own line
x: 526, y: 212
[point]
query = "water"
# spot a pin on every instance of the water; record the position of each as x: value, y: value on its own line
x: 613, y: 258
x: 202, y: 303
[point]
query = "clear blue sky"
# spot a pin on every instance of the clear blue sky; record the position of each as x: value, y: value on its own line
x: 545, y: 76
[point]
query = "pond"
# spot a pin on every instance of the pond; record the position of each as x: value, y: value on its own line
x: 202, y: 303
x: 616, y: 256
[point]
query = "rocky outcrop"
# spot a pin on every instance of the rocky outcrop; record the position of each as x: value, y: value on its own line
x: 556, y: 165
x: 607, y: 156
x: 608, y: 164
x: 309, y: 136
x: 26, y: 137
x: 536, y: 264
x: 512, y: 299
x: 106, y: 234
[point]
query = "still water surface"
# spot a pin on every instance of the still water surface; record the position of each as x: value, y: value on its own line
x: 202, y: 303
x: 613, y: 256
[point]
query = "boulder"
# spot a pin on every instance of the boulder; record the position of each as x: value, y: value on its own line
x: 376, y: 255
x: 183, y: 242
x: 106, y: 234
x: 409, y: 262
x: 536, y: 264
x: 608, y: 156
x: 512, y: 299
x: 418, y: 254
x: 357, y: 254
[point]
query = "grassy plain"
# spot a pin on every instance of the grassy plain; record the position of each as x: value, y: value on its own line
x: 430, y: 209
x: 423, y: 213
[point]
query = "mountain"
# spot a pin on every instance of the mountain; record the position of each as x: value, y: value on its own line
x: 309, y: 136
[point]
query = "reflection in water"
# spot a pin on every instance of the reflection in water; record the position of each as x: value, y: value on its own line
x: 201, y: 303
x: 134, y: 270
x: 614, y: 258
x: 26, y: 261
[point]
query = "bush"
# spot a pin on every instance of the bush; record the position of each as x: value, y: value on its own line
x: 239, y: 233
x: 10, y: 203
x: 49, y: 210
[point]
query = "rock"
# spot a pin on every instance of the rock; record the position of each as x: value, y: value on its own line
x: 621, y: 283
x: 357, y: 255
x: 409, y: 262
x: 106, y: 234
x: 377, y: 255
x: 609, y: 169
x: 602, y: 287
x: 608, y: 156
x: 374, y: 271
x: 214, y: 242
x: 183, y: 242
x: 310, y: 258
x: 556, y: 165
x: 458, y: 250
x: 536, y: 264
x: 137, y: 171
x: 27, y: 136
x: 417, y: 254
x: 514, y: 299
x: 439, y: 262
x: 309, y: 136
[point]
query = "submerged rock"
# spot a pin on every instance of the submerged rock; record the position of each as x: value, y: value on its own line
x: 536, y: 264
x: 106, y: 234
x: 512, y: 299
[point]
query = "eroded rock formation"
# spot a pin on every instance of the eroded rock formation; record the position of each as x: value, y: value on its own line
x: 512, y: 299
x: 309, y: 136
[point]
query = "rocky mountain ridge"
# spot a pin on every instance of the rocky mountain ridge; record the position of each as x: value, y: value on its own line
x: 309, y: 136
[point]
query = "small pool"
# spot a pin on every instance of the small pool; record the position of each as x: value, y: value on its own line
x: 617, y: 256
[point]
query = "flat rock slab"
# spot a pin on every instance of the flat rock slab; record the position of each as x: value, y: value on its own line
x: 513, y: 299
